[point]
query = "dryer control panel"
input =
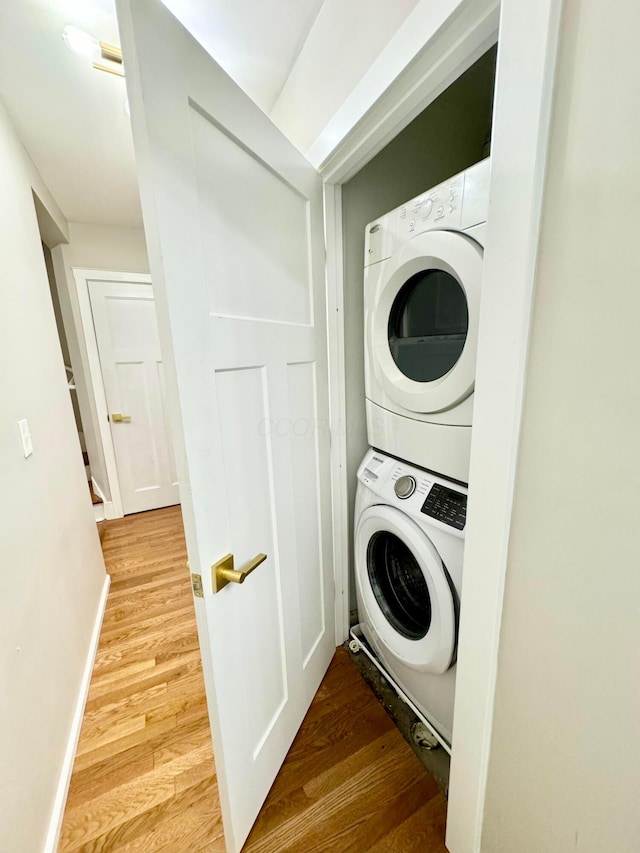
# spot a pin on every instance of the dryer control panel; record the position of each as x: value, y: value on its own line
x: 439, y: 208
x: 446, y: 505
x: 455, y: 205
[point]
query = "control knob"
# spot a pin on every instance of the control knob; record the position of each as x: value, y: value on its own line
x: 427, y: 207
x: 405, y: 486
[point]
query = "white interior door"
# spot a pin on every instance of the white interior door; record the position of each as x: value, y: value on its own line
x: 234, y: 224
x: 124, y: 318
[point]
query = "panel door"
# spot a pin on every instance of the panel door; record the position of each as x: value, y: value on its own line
x: 234, y: 223
x: 124, y: 318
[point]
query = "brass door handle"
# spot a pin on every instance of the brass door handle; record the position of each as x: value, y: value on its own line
x: 223, y: 572
x: 117, y: 418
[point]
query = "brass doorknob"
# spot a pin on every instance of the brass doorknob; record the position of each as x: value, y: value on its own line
x: 117, y: 418
x: 223, y: 572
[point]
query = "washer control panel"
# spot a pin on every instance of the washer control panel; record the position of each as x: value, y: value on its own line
x: 404, y: 486
x: 418, y: 493
x: 446, y: 505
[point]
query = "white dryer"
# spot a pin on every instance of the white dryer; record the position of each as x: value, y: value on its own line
x: 408, y: 551
x: 422, y: 279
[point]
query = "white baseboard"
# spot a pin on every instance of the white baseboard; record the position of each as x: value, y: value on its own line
x: 109, y: 509
x: 55, y: 824
x: 98, y: 512
x: 97, y: 490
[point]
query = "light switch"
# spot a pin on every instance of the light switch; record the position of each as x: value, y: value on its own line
x: 25, y: 436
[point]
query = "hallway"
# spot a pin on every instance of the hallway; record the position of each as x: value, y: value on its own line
x: 144, y: 777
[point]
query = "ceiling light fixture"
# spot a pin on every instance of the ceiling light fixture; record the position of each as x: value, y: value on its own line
x: 83, y: 44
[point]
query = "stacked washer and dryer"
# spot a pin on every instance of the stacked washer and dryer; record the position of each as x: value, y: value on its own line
x: 422, y: 280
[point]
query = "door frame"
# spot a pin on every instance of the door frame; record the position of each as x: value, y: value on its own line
x: 83, y: 277
x: 385, y: 101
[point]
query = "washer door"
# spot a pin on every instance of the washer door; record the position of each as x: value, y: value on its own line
x: 404, y: 589
x: 423, y: 329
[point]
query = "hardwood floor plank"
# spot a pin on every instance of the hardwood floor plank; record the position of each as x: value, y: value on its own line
x: 194, y: 738
x: 374, y: 754
x: 196, y: 711
x: 114, y: 747
x: 85, y: 823
x: 109, y: 773
x: 276, y: 816
x: 118, y: 635
x: 116, y: 769
x: 215, y: 846
x: 137, y: 796
x: 195, y: 774
x: 109, y: 731
x: 328, y: 734
x: 163, y: 580
x: 162, y: 649
x: 195, y: 810
x: 170, y: 671
x: 423, y: 830
x: 349, y: 806
x: 195, y: 827
x: 129, y: 611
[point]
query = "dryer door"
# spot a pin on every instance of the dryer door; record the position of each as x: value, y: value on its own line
x: 405, y: 589
x: 423, y: 324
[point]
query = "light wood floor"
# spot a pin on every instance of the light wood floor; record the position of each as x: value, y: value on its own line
x: 144, y: 777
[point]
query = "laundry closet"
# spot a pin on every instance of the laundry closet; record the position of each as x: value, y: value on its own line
x: 450, y: 135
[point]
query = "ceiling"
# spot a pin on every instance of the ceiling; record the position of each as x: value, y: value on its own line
x: 72, y: 119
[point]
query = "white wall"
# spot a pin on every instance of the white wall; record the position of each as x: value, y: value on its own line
x: 564, y: 769
x: 52, y: 572
x: 343, y: 43
x: 107, y: 247
x: 445, y: 139
x: 100, y: 247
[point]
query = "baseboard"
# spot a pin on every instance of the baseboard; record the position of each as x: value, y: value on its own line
x: 109, y: 511
x: 98, y: 490
x: 98, y: 512
x: 55, y: 824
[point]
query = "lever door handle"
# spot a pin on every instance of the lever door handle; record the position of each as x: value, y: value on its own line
x: 223, y: 571
x: 117, y: 418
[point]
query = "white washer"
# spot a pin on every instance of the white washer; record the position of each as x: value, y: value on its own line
x: 408, y: 550
x: 422, y: 278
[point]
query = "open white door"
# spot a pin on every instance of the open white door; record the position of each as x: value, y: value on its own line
x: 124, y: 319
x: 233, y: 218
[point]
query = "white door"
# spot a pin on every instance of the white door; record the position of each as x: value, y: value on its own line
x: 234, y: 223
x: 124, y: 318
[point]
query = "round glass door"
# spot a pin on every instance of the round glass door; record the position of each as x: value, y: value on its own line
x: 403, y: 590
x: 422, y: 324
x: 398, y: 585
x: 428, y: 324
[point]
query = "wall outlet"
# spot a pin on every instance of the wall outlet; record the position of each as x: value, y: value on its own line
x: 25, y: 437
